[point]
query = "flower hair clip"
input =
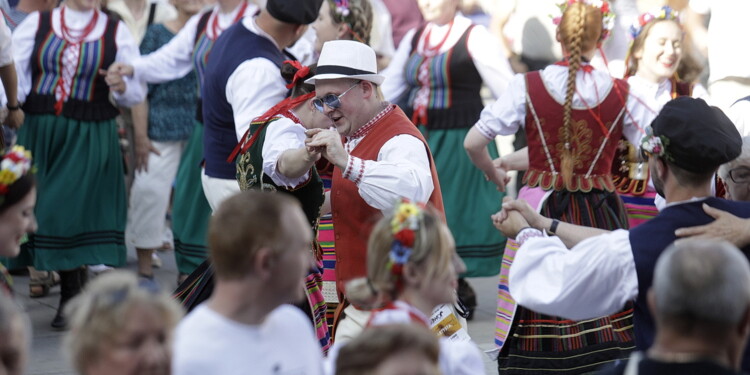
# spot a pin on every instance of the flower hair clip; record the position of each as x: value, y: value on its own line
x: 341, y: 7
x: 404, y: 225
x: 608, y: 17
x: 656, y: 144
x: 663, y: 13
x: 14, y: 165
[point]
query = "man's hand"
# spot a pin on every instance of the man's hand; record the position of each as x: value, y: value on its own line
x: 143, y: 149
x: 328, y: 143
x: 509, y: 221
x: 725, y: 226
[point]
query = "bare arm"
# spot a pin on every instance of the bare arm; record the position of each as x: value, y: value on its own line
x: 295, y: 163
x: 570, y: 234
x: 517, y: 161
x: 10, y: 83
x: 143, y: 146
x: 476, y: 147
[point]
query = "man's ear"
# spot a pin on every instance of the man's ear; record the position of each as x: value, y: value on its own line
x: 263, y: 262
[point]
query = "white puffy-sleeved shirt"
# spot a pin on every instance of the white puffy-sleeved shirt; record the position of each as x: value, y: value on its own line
x: 23, y: 46
x: 255, y: 85
x: 595, y: 278
x: 282, y: 135
x: 506, y: 115
x: 175, y: 59
x: 484, y: 48
x: 402, y: 168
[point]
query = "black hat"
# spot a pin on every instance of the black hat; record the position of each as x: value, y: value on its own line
x: 298, y: 12
x: 695, y: 136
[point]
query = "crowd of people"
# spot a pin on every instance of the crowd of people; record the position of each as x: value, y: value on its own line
x: 329, y: 177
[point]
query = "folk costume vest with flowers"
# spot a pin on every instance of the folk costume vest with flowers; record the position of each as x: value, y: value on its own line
x: 593, y: 142
x: 89, y: 93
x: 353, y: 218
x: 310, y: 193
x: 454, y: 83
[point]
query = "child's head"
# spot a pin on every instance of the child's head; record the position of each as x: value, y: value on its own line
x: 343, y: 19
x: 657, y: 47
x: 390, y: 349
x: 412, y: 248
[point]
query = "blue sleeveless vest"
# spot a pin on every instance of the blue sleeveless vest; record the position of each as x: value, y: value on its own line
x: 235, y: 45
x: 651, y: 238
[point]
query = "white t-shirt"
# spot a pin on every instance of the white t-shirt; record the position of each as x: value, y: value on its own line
x: 209, y: 343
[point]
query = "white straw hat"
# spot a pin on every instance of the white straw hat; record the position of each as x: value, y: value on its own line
x: 347, y: 59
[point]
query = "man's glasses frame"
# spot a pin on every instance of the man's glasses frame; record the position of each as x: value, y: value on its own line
x: 333, y: 101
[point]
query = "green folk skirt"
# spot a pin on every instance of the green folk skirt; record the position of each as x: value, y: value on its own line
x: 469, y: 201
x: 81, y: 204
x: 190, y: 209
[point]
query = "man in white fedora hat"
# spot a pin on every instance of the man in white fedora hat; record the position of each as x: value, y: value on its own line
x: 242, y: 81
x: 381, y: 159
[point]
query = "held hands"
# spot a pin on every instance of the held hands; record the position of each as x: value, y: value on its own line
x: 516, y: 215
x: 114, y: 76
x: 328, y: 144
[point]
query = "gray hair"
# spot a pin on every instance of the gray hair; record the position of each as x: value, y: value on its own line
x: 744, y: 158
x: 702, y: 282
x: 98, y: 313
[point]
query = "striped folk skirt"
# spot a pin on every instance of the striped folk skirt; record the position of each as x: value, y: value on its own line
x: 532, y: 343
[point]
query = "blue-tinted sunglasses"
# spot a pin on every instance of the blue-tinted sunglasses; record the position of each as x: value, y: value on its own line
x: 331, y: 100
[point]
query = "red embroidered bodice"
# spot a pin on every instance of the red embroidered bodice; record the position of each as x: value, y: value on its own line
x: 595, y: 133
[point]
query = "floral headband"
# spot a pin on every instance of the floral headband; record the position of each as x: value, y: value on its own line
x: 341, y: 7
x: 404, y: 225
x: 656, y: 144
x: 663, y: 13
x: 15, y: 164
x: 608, y: 17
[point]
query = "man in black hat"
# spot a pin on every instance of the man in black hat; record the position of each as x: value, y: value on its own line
x: 243, y: 80
x: 580, y: 272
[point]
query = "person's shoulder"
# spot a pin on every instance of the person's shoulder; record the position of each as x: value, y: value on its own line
x: 286, y: 314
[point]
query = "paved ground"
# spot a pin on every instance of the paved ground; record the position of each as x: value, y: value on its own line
x: 48, y: 358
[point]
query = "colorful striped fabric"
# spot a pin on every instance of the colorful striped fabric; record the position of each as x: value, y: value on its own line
x: 89, y: 62
x: 532, y: 343
x: 440, y: 87
x: 200, y: 56
x: 318, y: 307
x: 639, y: 208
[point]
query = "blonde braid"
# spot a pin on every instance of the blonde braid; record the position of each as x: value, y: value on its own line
x: 573, y: 46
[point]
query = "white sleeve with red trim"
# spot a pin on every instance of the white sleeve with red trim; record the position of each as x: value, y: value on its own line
x: 507, y: 114
x: 402, y: 170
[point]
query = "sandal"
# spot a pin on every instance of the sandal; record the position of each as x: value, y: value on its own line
x: 39, y: 287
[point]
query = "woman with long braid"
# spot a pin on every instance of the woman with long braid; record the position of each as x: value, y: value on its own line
x: 574, y: 117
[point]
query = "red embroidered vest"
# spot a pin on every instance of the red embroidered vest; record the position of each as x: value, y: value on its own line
x: 353, y: 218
x: 593, y: 144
